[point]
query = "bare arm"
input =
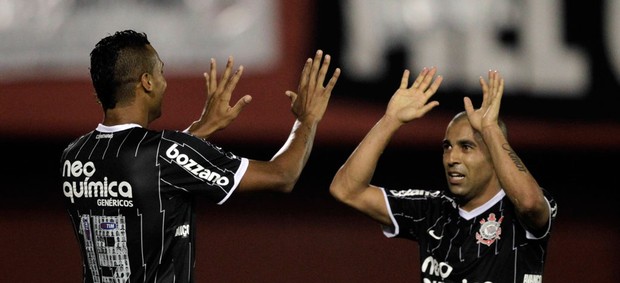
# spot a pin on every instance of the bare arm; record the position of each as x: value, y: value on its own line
x: 516, y: 180
x: 308, y: 105
x: 351, y: 184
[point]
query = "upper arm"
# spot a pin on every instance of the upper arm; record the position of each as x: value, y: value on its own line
x: 537, y: 218
x: 266, y: 176
x: 370, y: 200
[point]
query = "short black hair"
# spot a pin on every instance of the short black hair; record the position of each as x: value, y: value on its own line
x: 117, y: 61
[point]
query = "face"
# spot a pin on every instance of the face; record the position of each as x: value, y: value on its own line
x: 159, y: 88
x: 467, y: 163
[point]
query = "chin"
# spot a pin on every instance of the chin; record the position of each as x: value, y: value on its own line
x: 457, y: 190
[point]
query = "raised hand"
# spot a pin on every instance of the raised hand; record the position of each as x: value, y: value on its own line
x: 488, y: 113
x: 311, y: 99
x: 409, y: 103
x: 217, y: 113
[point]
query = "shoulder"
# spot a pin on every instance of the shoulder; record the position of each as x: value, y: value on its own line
x: 431, y: 197
x: 80, y: 140
x: 415, y: 193
x: 181, y: 141
x: 181, y: 137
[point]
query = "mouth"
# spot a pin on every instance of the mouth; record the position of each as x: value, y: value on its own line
x: 455, y: 177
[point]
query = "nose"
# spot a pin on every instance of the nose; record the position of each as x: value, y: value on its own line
x: 452, y: 157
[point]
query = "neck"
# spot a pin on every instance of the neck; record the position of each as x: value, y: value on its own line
x: 469, y: 204
x: 125, y: 115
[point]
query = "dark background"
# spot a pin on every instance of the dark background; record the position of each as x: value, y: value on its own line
x: 570, y: 146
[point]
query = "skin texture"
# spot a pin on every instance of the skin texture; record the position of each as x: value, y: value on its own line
x: 217, y: 113
x: 128, y: 77
x: 308, y: 105
x: 468, y: 166
x: 477, y: 158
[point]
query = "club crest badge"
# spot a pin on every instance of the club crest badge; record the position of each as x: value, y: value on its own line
x: 490, y: 230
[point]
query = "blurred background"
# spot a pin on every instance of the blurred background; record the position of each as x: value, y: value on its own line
x: 560, y: 59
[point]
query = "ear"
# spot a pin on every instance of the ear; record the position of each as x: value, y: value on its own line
x: 146, y: 82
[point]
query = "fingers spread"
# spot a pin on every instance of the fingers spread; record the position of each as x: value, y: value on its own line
x: 469, y: 107
x: 238, y: 107
x: 212, y: 78
x: 333, y: 80
x: 404, y: 81
x: 315, y: 70
x: 420, y: 78
x: 226, y: 76
x: 323, y: 70
x: 305, y: 74
x: 428, y: 77
x: 434, y: 86
x: 485, y: 91
x: 231, y: 84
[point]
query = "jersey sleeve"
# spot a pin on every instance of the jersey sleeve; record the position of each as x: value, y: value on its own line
x: 410, y: 211
x: 553, y: 211
x: 199, y: 167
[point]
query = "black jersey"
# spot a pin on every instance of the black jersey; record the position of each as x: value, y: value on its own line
x: 486, y: 245
x: 130, y: 196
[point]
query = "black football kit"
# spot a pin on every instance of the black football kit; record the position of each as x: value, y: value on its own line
x: 485, y: 245
x: 130, y: 196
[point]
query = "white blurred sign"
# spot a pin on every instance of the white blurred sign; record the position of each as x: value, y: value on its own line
x: 53, y: 38
x: 461, y: 38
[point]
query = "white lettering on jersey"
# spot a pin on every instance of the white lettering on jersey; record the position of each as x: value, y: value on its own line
x: 104, y: 136
x: 193, y: 167
x: 92, y: 188
x: 406, y: 193
x: 182, y: 231
x: 412, y: 192
x: 532, y: 278
x: 433, y: 267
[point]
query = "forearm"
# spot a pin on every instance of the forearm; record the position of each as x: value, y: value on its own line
x: 517, y: 181
x: 293, y: 155
x: 357, y: 172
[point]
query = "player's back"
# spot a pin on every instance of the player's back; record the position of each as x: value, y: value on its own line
x: 113, y: 192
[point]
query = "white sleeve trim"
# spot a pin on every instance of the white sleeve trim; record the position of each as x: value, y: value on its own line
x: 243, y: 167
x: 394, y: 230
x: 531, y: 236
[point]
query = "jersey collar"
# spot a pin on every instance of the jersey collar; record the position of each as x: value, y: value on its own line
x: 479, y: 210
x: 116, y: 128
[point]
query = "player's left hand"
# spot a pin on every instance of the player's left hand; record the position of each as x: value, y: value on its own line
x: 488, y: 113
